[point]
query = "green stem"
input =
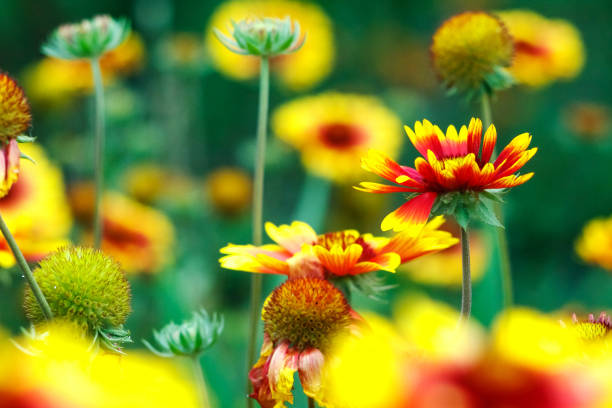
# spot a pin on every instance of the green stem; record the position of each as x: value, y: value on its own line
x: 200, y: 383
x: 466, y: 286
x: 99, y: 150
x: 258, y: 192
x: 23, y: 264
x: 505, y: 267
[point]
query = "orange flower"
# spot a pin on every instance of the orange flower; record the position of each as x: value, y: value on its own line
x: 454, y: 164
x: 301, y: 317
x: 299, y: 251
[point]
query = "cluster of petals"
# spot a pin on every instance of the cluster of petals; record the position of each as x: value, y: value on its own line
x: 455, y: 161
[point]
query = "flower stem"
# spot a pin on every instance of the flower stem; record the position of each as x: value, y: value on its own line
x: 258, y: 192
x: 99, y: 150
x: 311, y: 403
x: 200, y: 383
x: 502, y: 240
x: 466, y: 287
x: 23, y: 264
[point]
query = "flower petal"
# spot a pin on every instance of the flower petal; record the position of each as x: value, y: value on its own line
x: 310, y: 368
x: 369, y: 187
x: 413, y: 213
x: 338, y: 261
x: 283, y: 365
x: 291, y: 237
x: 488, y: 144
x: 384, y: 262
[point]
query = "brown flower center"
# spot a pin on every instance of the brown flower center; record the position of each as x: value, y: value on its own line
x: 530, y: 49
x: 341, y: 135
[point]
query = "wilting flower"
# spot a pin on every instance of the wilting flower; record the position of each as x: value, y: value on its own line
x: 301, y: 317
x: 454, y: 174
x: 140, y: 238
x: 593, y: 245
x: 334, y: 130
x: 444, y: 268
x: 297, y: 71
x: 87, y: 39
x: 58, y: 369
x: 86, y: 287
x: 53, y: 80
x: 299, y: 251
x: 469, y: 52
x: 229, y: 189
x: 590, y: 120
x: 36, y: 209
x: 546, y: 50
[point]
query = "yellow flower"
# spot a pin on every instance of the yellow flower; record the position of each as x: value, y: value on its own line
x: 54, y: 80
x: 546, y: 50
x: 150, y: 183
x: 334, y: 130
x: 469, y: 49
x: 58, y: 370
x: 140, y: 238
x: 444, y: 267
x: 36, y: 209
x: 229, y: 189
x: 297, y: 71
x: 593, y: 245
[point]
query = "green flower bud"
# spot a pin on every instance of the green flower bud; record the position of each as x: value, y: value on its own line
x: 86, y: 287
x: 87, y: 39
x: 191, y: 338
x: 265, y: 37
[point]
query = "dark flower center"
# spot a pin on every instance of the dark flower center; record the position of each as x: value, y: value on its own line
x: 341, y: 135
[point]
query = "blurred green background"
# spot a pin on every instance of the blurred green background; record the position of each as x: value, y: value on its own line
x: 214, y: 121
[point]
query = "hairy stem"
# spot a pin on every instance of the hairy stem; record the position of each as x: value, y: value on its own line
x: 27, y: 272
x: 99, y: 151
x: 466, y: 286
x: 505, y: 267
x: 258, y: 193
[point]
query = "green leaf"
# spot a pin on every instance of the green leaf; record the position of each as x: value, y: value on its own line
x: 487, y: 214
x: 462, y: 216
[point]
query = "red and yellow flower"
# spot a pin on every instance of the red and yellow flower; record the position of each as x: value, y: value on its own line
x: 301, y: 317
x: 546, y: 50
x: 333, y: 130
x: 298, y: 251
x: 451, y: 163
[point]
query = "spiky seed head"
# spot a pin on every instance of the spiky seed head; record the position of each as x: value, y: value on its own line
x: 15, y: 116
x: 82, y: 285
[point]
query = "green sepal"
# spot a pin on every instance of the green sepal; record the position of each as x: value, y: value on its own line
x: 22, y: 155
x: 113, y: 338
x: 469, y: 206
x: 368, y: 284
x: 25, y: 139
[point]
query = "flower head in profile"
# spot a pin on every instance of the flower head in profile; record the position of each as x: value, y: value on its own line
x: 36, y: 209
x: 454, y: 176
x: 139, y: 237
x: 298, y: 251
x: 333, y: 130
x: 87, y: 39
x: 296, y: 71
x: 86, y: 287
x: 546, y: 50
x: 593, y: 245
x: 469, y: 52
x: 301, y: 317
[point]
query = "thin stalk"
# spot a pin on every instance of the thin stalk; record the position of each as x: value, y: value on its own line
x: 466, y: 286
x: 200, y: 383
x: 505, y: 267
x: 311, y: 403
x: 23, y: 264
x: 99, y: 150
x: 258, y: 193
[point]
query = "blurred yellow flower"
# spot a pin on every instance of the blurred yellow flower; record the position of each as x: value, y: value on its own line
x: 36, y: 209
x: 444, y: 267
x: 334, y: 130
x: 589, y: 120
x: 53, y: 80
x: 593, y: 245
x: 229, y: 189
x: 297, y: 71
x: 140, y: 238
x: 546, y: 50
x: 57, y: 370
x: 150, y: 183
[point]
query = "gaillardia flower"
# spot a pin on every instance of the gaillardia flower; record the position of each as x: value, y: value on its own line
x: 469, y: 52
x: 139, y: 237
x: 299, y: 251
x: 545, y: 50
x: 452, y: 177
x: 36, y: 209
x: 334, y: 130
x: 593, y: 245
x: 86, y: 287
x: 229, y: 190
x: 301, y: 317
x: 297, y: 71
